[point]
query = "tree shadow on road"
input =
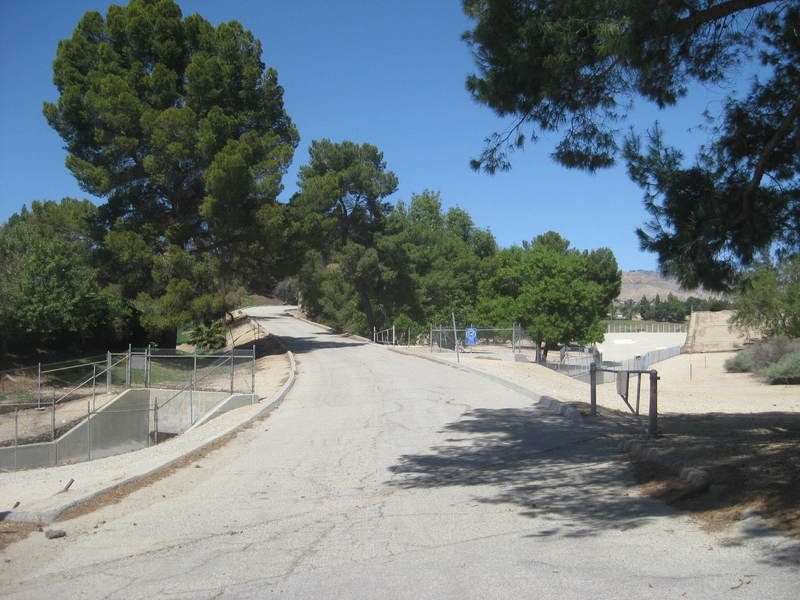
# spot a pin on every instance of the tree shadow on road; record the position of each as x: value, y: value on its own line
x: 569, y: 477
x: 304, y: 345
x: 545, y: 465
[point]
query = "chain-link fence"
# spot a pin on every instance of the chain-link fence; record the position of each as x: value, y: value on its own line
x: 43, y: 403
x: 384, y: 336
x: 39, y: 384
x: 473, y: 339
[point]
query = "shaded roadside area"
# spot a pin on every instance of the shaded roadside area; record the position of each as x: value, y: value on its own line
x: 540, y: 463
x: 571, y: 478
x: 752, y: 461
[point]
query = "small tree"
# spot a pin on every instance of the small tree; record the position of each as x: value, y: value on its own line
x: 769, y: 299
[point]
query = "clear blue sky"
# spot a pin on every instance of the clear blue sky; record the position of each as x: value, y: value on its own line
x: 384, y: 72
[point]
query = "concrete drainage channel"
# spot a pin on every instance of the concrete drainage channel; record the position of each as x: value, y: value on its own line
x: 135, y: 419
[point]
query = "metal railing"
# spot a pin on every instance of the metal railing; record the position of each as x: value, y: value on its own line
x: 645, y: 327
x: 622, y: 378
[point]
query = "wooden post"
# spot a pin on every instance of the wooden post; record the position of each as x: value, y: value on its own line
x: 593, y: 388
x: 653, y: 426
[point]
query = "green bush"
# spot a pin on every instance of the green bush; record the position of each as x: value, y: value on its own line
x: 786, y: 370
x: 742, y: 362
x: 208, y: 337
x: 776, y: 360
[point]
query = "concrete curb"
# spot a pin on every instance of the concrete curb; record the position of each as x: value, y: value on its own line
x: 696, y: 478
x: 546, y: 402
x: 51, y: 515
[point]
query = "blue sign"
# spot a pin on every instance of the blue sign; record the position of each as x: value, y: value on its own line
x: 471, y: 336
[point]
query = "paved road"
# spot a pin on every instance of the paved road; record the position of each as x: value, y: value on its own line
x: 389, y: 476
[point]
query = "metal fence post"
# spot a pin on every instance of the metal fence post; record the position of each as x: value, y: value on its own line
x: 232, y: 367
x: 147, y: 362
x: 16, y: 434
x: 39, y: 386
x: 253, y: 374
x: 593, y: 388
x: 89, y: 430
x: 194, y: 365
x: 128, y: 369
x: 653, y: 426
x: 108, y: 372
x: 94, y: 384
x: 53, y: 419
x: 155, y: 421
x: 455, y: 338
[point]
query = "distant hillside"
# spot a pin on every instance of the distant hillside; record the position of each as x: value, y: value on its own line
x: 636, y: 284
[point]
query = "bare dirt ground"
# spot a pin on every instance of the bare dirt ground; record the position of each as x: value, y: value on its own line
x: 745, y: 434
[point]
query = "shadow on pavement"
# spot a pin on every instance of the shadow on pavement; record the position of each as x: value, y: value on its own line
x: 567, y: 475
x: 304, y: 345
x: 546, y: 466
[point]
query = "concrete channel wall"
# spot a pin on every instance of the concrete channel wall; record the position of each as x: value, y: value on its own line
x: 177, y: 410
x: 126, y: 423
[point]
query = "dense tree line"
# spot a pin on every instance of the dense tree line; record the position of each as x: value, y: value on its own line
x: 672, y: 309
x: 375, y: 265
x: 181, y: 128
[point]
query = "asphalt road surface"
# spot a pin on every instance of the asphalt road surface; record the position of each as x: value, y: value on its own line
x: 390, y: 476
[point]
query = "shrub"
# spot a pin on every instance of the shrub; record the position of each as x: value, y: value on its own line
x: 777, y: 360
x: 208, y: 337
x: 786, y: 370
x: 742, y: 362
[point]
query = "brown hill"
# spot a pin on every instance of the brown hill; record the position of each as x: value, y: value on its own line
x: 636, y: 284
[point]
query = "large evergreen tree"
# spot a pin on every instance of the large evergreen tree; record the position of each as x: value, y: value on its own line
x: 577, y: 67
x: 181, y: 127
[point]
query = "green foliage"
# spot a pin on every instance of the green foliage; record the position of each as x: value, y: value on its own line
x: 786, y: 370
x: 208, y: 336
x: 422, y: 264
x: 769, y: 299
x: 776, y: 360
x: 556, y: 293
x: 181, y: 127
x: 577, y: 67
x: 342, y: 191
x: 673, y: 309
x: 49, y: 285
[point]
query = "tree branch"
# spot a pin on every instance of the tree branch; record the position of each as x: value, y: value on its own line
x: 720, y: 11
x: 781, y: 132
